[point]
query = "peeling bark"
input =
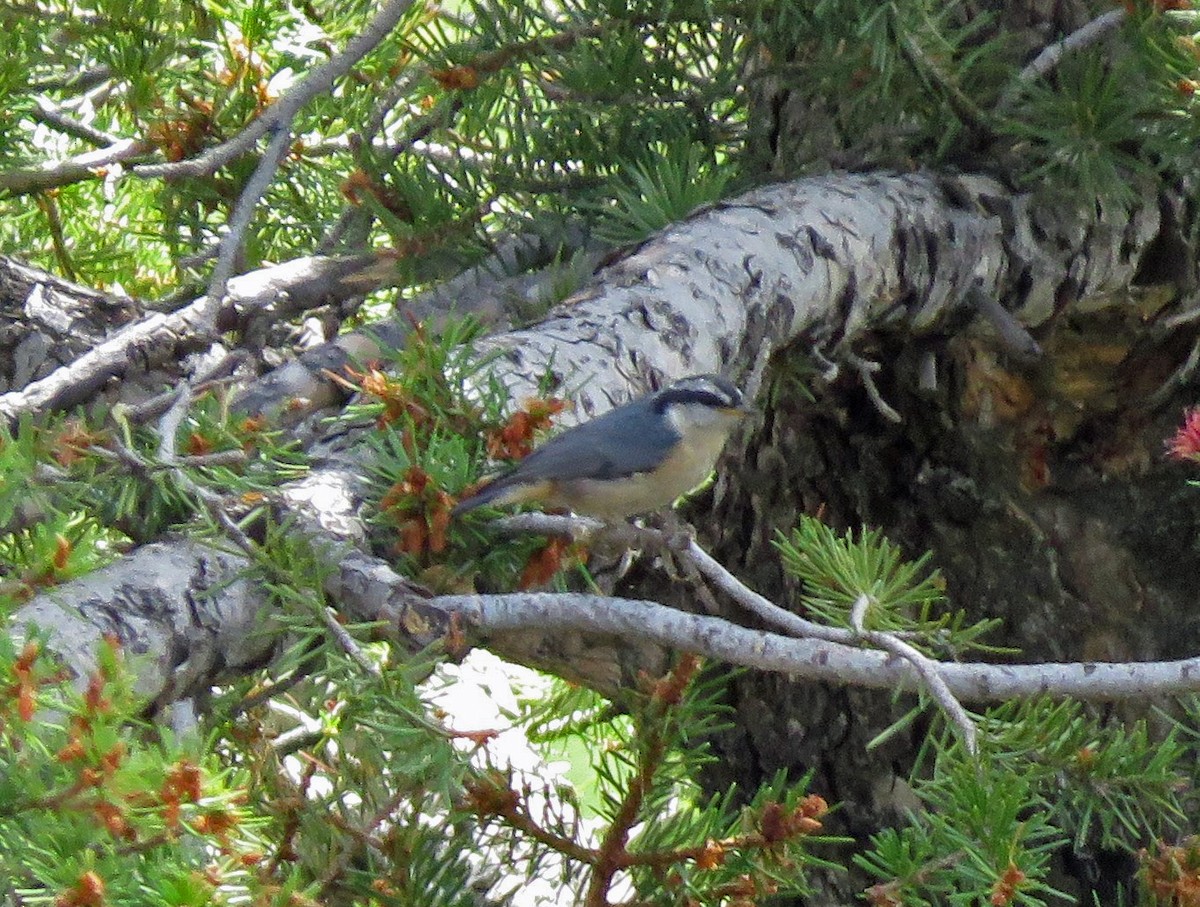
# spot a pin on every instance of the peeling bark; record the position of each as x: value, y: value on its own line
x: 177, y: 607
x: 818, y: 263
x: 47, y: 322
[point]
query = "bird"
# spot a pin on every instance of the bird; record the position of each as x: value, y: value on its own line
x: 634, y: 459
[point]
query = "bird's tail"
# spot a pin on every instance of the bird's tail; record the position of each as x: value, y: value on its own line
x: 494, y: 492
x: 505, y: 489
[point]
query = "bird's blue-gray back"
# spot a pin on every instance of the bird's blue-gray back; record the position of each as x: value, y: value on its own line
x: 607, y: 447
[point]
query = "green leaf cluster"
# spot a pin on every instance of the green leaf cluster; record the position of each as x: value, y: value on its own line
x: 1049, y: 776
x: 435, y: 417
x: 79, y: 490
x: 99, y: 806
x: 477, y: 118
x: 680, y: 843
x: 901, y: 594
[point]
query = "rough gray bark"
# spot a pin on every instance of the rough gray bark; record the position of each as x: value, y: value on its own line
x: 178, y: 607
x: 1058, y: 515
x: 46, y: 322
x: 69, y: 343
x: 819, y: 263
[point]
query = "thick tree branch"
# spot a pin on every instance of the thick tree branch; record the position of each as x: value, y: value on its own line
x: 814, y: 659
x: 828, y: 259
x: 159, y: 337
x: 203, y: 621
x: 825, y: 260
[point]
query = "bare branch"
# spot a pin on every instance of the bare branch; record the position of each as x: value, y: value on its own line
x: 76, y: 382
x: 81, y: 80
x: 630, y: 536
x: 927, y: 668
x: 279, y: 116
x: 1012, y: 334
x: 243, y: 212
x: 159, y: 337
x: 1052, y: 55
x: 214, y: 376
x: 794, y: 624
x: 815, y: 659
x: 50, y: 115
x: 866, y: 372
x: 88, y: 166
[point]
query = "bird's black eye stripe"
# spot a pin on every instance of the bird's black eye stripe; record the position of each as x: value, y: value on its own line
x: 690, y: 395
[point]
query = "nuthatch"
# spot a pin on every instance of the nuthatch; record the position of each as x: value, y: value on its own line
x: 633, y: 459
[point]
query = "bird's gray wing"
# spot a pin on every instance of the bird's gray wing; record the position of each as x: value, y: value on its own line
x: 627, y: 440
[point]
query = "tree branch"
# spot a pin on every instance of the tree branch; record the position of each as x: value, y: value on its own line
x: 87, y: 166
x: 1053, y: 54
x: 279, y: 116
x: 927, y: 669
x: 50, y: 115
x: 199, y: 619
x: 158, y: 337
x: 814, y: 659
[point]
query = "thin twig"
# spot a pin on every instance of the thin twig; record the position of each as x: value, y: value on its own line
x: 517, y: 814
x: 1012, y: 334
x: 1180, y: 377
x: 146, y: 467
x: 298, y: 738
x: 351, y: 647
x: 267, y: 692
x: 960, y: 102
x: 341, y: 862
x: 168, y: 425
x: 866, y: 372
x: 216, y: 375
x: 925, y: 667
x: 794, y: 624
x: 582, y: 528
x: 48, y: 205
x: 243, y: 213
x: 50, y: 115
x: 80, y: 80
x: 1051, y: 55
